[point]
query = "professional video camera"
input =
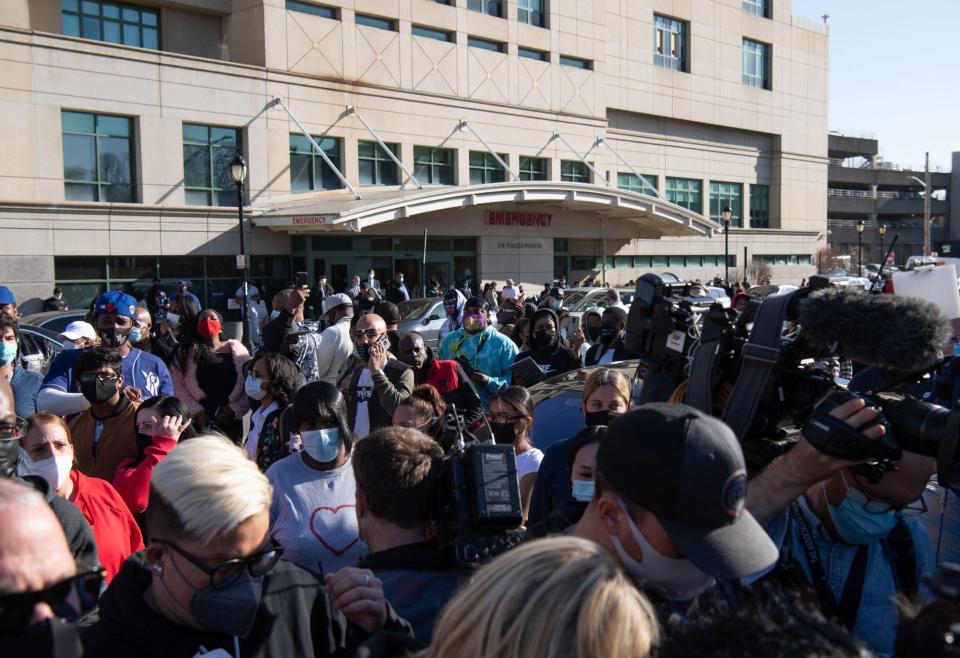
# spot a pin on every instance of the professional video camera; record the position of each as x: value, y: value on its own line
x: 763, y: 372
x: 478, y: 508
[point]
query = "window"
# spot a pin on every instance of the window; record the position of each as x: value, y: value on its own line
x: 484, y: 44
x: 530, y: 53
x: 759, y: 206
x: 669, y: 43
x: 574, y: 171
x: 308, y: 171
x: 490, y: 7
x: 756, y: 64
x: 376, y: 167
x: 484, y: 168
x: 785, y: 259
x: 531, y: 12
x: 111, y: 22
x: 685, y: 192
x: 727, y: 195
x: 575, y: 62
x: 97, y: 157
x: 634, y: 183
x: 433, y: 165
x: 758, y: 7
x: 376, y: 21
x: 431, y: 33
x: 534, y: 168
x: 207, y: 152
x: 310, y: 8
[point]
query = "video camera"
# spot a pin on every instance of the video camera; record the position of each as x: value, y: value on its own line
x: 764, y: 371
x: 478, y: 512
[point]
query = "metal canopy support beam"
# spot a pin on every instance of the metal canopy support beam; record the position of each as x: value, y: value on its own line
x: 278, y: 102
x: 582, y: 159
x: 602, y: 142
x: 466, y: 126
x: 351, y: 111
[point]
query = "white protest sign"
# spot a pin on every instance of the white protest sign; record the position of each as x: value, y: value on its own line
x: 934, y: 284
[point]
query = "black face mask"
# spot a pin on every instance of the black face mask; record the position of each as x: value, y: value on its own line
x: 604, y: 417
x: 97, y: 391
x: 544, y: 339
x: 504, y: 433
x: 608, y: 334
x: 114, y: 337
x: 9, y: 450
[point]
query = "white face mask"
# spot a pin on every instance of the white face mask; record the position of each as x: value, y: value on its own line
x: 675, y: 579
x: 252, y: 387
x: 67, y: 345
x: 173, y: 319
x: 55, y: 470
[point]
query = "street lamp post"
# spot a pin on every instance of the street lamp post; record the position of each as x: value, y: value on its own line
x: 238, y: 171
x: 882, y: 230
x: 725, y: 215
x: 860, y: 227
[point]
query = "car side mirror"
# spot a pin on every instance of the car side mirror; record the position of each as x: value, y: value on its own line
x: 431, y: 318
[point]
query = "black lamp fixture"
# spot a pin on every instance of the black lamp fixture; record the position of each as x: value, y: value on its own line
x: 238, y: 172
x: 860, y: 227
x: 725, y: 215
x: 882, y: 230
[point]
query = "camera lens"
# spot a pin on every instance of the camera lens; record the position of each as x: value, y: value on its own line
x: 918, y: 426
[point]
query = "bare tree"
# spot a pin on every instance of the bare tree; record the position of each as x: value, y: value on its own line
x: 759, y: 273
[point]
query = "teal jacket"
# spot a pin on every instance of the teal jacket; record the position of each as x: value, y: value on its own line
x: 495, y: 358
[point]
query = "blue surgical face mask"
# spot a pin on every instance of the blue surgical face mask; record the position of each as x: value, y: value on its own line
x: 854, y: 523
x: 136, y: 334
x: 583, y: 490
x: 323, y: 445
x: 8, y: 352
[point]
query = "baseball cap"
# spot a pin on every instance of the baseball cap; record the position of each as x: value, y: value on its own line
x: 78, y: 329
x: 335, y: 301
x: 6, y: 296
x: 183, y: 282
x: 116, y: 302
x: 687, y: 469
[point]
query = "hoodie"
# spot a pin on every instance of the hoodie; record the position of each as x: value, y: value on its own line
x: 488, y: 352
x: 454, y: 322
x: 295, y: 618
x: 556, y: 358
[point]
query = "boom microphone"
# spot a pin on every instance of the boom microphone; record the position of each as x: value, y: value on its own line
x: 905, y: 334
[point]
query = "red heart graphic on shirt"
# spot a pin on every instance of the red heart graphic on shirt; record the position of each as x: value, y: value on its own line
x: 332, y: 510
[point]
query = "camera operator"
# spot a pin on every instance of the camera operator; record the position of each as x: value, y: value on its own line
x: 669, y: 504
x: 396, y: 471
x: 486, y: 354
x: 865, y: 548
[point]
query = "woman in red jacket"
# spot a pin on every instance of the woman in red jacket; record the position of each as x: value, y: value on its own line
x: 161, y: 422
x: 50, y: 452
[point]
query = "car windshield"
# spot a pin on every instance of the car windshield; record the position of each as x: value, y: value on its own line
x: 571, y: 299
x: 590, y: 301
x: 415, y: 308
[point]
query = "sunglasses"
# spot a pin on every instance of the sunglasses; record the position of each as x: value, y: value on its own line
x: 13, y: 430
x: 365, y: 333
x: 69, y: 599
x: 226, y: 573
x: 98, y: 377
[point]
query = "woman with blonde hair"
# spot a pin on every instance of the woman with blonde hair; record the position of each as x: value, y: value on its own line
x: 606, y: 395
x: 549, y: 598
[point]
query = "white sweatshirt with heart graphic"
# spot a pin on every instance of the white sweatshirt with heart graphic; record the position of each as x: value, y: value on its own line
x: 313, y: 515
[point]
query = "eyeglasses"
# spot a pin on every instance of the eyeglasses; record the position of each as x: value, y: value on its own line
x: 224, y: 574
x: 69, y: 599
x: 501, y: 418
x: 98, y: 376
x: 874, y: 506
x: 13, y: 430
x: 366, y: 333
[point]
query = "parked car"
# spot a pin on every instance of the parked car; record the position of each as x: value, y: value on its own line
x: 40, y: 345
x: 55, y: 321
x: 719, y: 295
x: 595, y: 300
x: 556, y: 400
x: 766, y: 291
x: 425, y: 316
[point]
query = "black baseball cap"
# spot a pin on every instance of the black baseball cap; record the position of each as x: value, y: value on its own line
x: 687, y: 469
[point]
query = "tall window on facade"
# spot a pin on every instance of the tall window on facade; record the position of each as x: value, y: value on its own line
x: 757, y: 7
x: 484, y: 168
x: 634, y: 183
x: 531, y: 12
x: 109, y: 21
x: 489, y: 7
x: 534, y: 168
x: 97, y: 157
x: 308, y: 171
x: 433, y: 165
x: 376, y: 167
x: 670, y: 43
x: 756, y: 64
x: 207, y: 152
x: 723, y: 195
x: 574, y: 171
x: 685, y: 192
x: 759, y: 206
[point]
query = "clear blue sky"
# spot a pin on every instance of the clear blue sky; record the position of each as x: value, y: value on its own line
x: 895, y: 72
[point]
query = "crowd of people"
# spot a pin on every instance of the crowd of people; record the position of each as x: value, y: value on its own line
x: 168, y: 490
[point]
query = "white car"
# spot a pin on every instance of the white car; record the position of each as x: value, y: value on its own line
x: 594, y: 300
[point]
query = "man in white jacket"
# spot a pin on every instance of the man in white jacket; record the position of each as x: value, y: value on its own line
x: 335, y: 344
